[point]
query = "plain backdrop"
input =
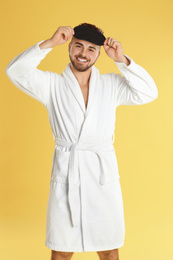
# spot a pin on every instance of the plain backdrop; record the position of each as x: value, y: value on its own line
x: 143, y: 135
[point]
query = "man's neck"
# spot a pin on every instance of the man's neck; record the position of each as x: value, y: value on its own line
x: 82, y: 77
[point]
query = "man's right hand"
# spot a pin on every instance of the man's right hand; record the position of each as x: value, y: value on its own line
x: 61, y: 36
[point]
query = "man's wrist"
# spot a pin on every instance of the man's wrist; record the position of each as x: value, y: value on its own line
x: 46, y: 44
x: 124, y: 60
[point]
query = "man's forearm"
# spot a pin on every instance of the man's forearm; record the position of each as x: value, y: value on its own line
x: 125, y: 60
x: 47, y: 44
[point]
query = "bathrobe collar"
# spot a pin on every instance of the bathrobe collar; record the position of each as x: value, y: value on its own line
x: 76, y: 90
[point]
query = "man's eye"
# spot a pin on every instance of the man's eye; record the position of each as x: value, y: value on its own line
x: 91, y: 50
x: 78, y: 46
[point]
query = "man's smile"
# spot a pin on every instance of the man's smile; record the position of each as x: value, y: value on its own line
x: 81, y: 60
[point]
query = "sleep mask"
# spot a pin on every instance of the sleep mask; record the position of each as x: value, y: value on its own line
x: 89, y: 34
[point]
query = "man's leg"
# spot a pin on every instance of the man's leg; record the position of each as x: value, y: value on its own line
x: 58, y: 255
x: 109, y: 254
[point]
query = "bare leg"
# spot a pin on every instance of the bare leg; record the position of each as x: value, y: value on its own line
x: 58, y: 255
x: 109, y: 254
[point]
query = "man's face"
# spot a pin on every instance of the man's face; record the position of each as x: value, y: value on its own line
x: 83, y: 54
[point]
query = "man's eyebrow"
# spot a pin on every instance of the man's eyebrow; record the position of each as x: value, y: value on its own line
x: 92, y: 47
x: 82, y: 45
x: 79, y: 43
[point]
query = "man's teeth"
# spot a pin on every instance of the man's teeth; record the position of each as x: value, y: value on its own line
x: 82, y: 60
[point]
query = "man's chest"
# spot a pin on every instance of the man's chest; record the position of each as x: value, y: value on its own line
x: 85, y: 93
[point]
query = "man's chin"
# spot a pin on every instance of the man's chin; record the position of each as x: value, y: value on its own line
x: 81, y: 68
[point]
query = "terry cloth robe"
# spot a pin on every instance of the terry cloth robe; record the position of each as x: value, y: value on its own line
x: 85, y: 206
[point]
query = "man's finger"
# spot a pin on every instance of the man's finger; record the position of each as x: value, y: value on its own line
x: 106, y: 47
x: 70, y: 31
x: 67, y: 33
x: 105, y: 42
x: 112, y: 42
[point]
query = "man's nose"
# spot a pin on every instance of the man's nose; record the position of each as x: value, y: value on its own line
x: 83, y: 52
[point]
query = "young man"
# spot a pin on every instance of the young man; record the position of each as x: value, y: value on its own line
x: 85, y: 206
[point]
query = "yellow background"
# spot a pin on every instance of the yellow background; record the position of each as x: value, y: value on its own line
x: 143, y: 135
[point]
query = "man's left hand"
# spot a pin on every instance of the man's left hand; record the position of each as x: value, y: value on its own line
x: 114, y: 50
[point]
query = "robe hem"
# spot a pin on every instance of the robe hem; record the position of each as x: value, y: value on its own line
x: 90, y: 249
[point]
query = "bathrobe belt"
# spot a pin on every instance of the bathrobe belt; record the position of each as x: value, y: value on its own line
x: 97, y: 148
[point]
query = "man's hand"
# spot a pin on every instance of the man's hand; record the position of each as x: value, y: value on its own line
x: 114, y: 50
x: 61, y: 36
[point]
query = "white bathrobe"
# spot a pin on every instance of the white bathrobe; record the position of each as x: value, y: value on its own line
x: 85, y: 205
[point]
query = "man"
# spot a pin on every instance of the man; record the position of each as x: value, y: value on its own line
x: 85, y: 206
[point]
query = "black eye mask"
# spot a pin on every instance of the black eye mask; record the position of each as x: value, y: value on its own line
x: 89, y: 34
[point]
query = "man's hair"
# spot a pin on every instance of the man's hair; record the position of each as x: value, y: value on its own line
x: 92, y: 26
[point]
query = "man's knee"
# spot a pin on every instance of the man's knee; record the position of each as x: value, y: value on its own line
x: 109, y: 254
x: 59, y: 255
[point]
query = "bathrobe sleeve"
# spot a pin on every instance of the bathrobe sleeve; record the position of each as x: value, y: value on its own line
x: 23, y: 73
x: 135, y: 87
